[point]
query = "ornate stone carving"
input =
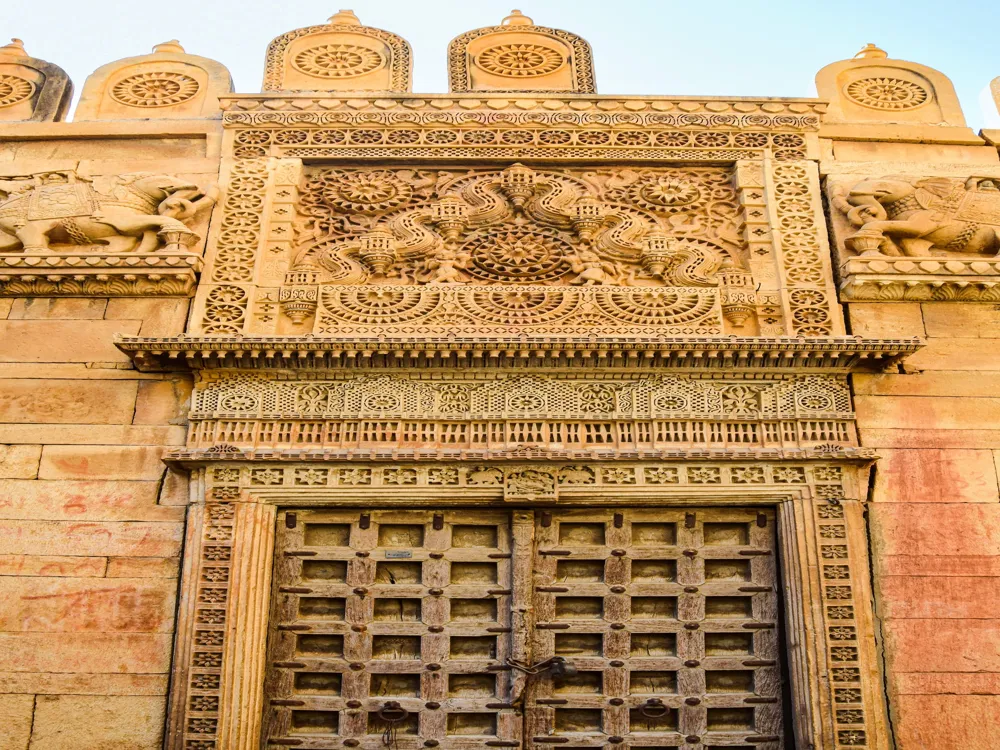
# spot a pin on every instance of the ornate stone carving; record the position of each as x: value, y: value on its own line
x: 886, y: 93
x: 14, y: 90
x: 138, y: 212
x: 154, y: 89
x: 918, y: 238
x: 31, y: 89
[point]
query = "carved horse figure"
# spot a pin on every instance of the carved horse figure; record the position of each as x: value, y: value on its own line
x: 126, y: 213
x: 923, y: 217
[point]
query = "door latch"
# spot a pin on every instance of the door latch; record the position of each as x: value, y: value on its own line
x: 558, y: 667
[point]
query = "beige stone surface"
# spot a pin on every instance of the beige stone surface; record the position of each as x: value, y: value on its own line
x: 143, y: 567
x: 65, y: 722
x: 929, y: 438
x: 55, y: 308
x: 90, y: 538
x: 100, y: 462
x: 102, y: 653
x: 134, y: 435
x: 918, y: 412
x: 53, y: 565
x: 19, y: 461
x: 16, y: 712
x: 930, y: 383
x: 74, y: 683
x: 158, y: 317
x: 98, y: 500
x: 67, y: 401
x: 957, y: 354
x: 886, y: 320
x: 163, y: 401
x: 66, y: 605
x: 63, y: 341
x: 949, y: 476
x: 948, y: 320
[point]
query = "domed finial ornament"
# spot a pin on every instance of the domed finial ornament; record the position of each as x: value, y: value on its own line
x: 344, y: 18
x: 517, y: 18
x: 14, y: 49
x: 173, y: 47
x: 871, y: 51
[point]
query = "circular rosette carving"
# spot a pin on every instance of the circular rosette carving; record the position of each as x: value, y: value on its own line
x: 664, y: 192
x: 154, y: 89
x: 521, y: 306
x: 365, y: 191
x: 518, y: 256
x: 14, y: 90
x: 337, y: 61
x: 656, y: 306
x: 379, y: 305
x: 520, y: 60
x: 886, y: 93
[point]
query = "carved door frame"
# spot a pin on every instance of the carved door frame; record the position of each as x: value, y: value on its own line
x: 217, y: 692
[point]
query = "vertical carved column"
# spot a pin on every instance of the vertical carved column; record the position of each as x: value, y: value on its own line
x: 757, y: 233
x: 242, y: 697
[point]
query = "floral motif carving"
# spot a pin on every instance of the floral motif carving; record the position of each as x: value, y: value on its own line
x: 893, y: 94
x: 155, y: 89
x: 14, y: 90
x: 520, y: 60
x: 338, y: 61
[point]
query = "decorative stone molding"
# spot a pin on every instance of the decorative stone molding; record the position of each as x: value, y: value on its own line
x: 31, y: 90
x: 821, y: 531
x: 166, y: 84
x: 518, y: 56
x: 340, y: 56
x: 873, y: 88
x: 67, y: 234
x: 908, y: 237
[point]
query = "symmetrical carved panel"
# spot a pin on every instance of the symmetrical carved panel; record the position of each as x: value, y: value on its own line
x: 908, y: 237
x: 64, y: 233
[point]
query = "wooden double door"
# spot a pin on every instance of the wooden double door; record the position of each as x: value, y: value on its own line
x: 460, y: 629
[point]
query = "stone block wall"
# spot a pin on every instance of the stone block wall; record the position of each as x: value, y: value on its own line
x: 91, y: 523
x: 934, y: 518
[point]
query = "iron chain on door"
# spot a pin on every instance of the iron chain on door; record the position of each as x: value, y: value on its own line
x: 471, y: 629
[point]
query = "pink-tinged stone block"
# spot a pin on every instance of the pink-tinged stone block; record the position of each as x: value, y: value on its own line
x: 936, y: 683
x: 934, y: 529
x: 68, y: 683
x: 20, y: 461
x: 68, y: 500
x: 942, y: 645
x: 950, y: 476
x: 53, y: 565
x: 15, y: 721
x: 67, y: 401
x: 125, y: 653
x: 927, y: 438
x: 163, y: 401
x: 951, y: 565
x: 120, y: 722
x: 143, y: 567
x: 55, y: 605
x: 932, y: 413
x: 966, y: 722
x: 972, y: 384
x: 101, y: 462
x: 90, y: 538
x: 63, y: 340
x: 944, y: 597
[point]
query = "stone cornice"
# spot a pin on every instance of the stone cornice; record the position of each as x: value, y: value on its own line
x: 728, y: 353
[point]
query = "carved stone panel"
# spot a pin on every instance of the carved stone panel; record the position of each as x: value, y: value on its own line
x: 918, y: 237
x: 31, y: 89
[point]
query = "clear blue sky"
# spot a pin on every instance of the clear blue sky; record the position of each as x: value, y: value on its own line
x: 720, y: 47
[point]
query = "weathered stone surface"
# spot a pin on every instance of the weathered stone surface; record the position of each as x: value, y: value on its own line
x: 52, y: 565
x: 945, y: 383
x: 143, y: 567
x: 947, y: 320
x: 63, y: 722
x: 935, y: 529
x: 51, y: 605
x: 938, y: 597
x: 958, y: 683
x: 163, y: 401
x: 64, y: 500
x: 159, y: 317
x: 940, y: 413
x: 893, y: 320
x: 956, y: 354
x: 125, y: 653
x: 100, y: 462
x: 72, y: 683
x: 90, y: 538
x: 927, y: 438
x: 63, y: 341
x: 67, y: 401
x: 925, y: 565
x: 15, y: 721
x: 55, y: 308
x: 60, y: 434
x: 949, y: 476
x: 19, y: 461
x: 950, y: 645
x: 959, y: 721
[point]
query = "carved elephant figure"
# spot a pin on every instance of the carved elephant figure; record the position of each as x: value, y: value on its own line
x: 923, y: 217
x: 126, y: 213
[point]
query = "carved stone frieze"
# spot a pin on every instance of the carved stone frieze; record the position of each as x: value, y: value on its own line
x: 63, y: 233
x: 907, y: 237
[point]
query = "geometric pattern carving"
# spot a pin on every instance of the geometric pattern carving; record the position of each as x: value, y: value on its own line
x: 886, y: 93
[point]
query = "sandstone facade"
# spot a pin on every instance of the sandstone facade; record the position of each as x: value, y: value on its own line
x: 342, y: 416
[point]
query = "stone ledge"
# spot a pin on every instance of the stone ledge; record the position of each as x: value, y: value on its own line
x: 98, y: 275
x: 885, y: 278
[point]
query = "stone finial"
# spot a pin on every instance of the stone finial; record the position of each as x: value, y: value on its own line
x: 342, y: 55
x: 519, y: 56
x: 517, y: 18
x: 871, y: 51
x: 31, y: 89
x: 167, y: 83
x: 173, y: 47
x: 344, y: 18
